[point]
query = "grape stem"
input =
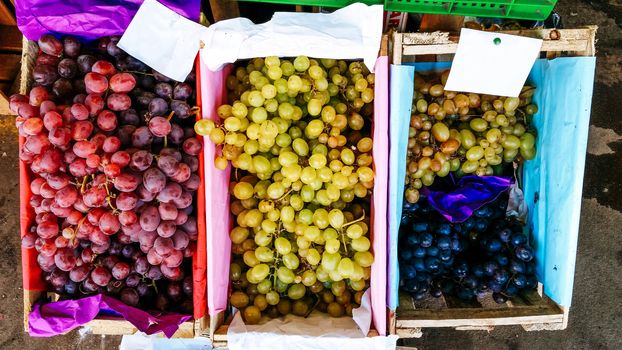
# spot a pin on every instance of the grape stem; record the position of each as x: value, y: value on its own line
x: 82, y: 187
x: 283, y: 196
x: 170, y: 116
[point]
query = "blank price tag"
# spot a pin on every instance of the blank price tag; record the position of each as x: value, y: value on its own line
x: 492, y: 63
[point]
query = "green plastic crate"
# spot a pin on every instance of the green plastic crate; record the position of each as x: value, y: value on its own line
x: 324, y: 3
x: 516, y: 9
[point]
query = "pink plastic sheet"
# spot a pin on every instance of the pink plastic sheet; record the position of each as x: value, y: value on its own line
x: 213, y: 93
x: 218, y: 217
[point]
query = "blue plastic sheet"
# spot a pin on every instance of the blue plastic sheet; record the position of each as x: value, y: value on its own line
x: 552, y: 182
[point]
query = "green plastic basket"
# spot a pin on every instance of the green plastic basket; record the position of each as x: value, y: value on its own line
x: 324, y: 3
x: 516, y: 9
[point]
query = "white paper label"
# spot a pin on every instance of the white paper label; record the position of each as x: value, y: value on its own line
x: 492, y: 63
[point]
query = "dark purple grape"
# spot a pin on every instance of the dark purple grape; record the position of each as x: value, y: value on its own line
x: 114, y: 287
x: 192, y: 161
x: 115, y: 248
x: 142, y: 137
x: 44, y: 74
x: 161, y: 77
x: 524, y: 253
x: 89, y: 286
x: 146, y: 82
x: 154, y: 273
x: 50, y: 45
x: 112, y: 48
x: 182, y: 91
x: 158, y: 106
x: 145, y: 98
x: 79, y: 98
x: 187, y: 286
x: 161, y: 302
x: 141, y: 160
x: 132, y: 280
x: 176, y: 135
x: 62, y: 88
x: 191, y: 78
x: 125, y: 134
x: 127, y: 251
x: 129, y: 296
x: 71, y: 46
x: 499, y: 298
x: 71, y: 287
x: 143, y: 289
x: 164, y: 90
x: 44, y: 58
x: 85, y: 62
x: 181, y: 109
x: 136, y: 65
x: 174, y: 291
x: 67, y: 68
x: 79, y: 86
x: 129, y: 117
x: 141, y: 265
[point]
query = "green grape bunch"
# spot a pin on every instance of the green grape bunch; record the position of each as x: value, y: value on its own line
x: 297, y: 134
x: 464, y: 133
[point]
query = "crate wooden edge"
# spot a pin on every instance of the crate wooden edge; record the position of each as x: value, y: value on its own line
x: 578, y: 42
x: 100, y: 325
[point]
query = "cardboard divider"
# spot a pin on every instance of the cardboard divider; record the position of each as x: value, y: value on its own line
x: 217, y: 202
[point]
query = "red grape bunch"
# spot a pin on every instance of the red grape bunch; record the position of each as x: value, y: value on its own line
x: 113, y: 160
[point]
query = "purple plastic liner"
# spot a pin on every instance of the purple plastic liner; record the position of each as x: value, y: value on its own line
x: 469, y: 194
x: 87, y: 19
x: 62, y: 316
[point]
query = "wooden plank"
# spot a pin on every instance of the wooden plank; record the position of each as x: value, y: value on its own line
x: 224, y: 9
x: 7, y: 18
x: 454, y: 302
x: 9, y: 66
x: 579, y: 41
x: 116, y: 326
x: 10, y: 39
x: 397, y: 48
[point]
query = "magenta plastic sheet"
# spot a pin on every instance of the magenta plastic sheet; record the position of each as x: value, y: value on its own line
x: 46, y: 320
x: 458, y: 203
x: 87, y: 19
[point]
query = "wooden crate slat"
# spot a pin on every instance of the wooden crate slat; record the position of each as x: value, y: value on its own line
x: 579, y: 42
x: 115, y: 326
x: 10, y: 39
x: 9, y: 66
x: 7, y: 18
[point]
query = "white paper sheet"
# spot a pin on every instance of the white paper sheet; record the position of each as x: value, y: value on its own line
x: 163, y: 39
x: 168, y: 42
x: 318, y: 331
x: 142, y: 341
x: 492, y: 63
x: 348, y: 33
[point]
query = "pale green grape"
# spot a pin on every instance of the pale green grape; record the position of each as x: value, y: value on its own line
x: 360, y: 244
x: 296, y: 291
x: 264, y: 254
x: 291, y: 261
x: 286, y: 275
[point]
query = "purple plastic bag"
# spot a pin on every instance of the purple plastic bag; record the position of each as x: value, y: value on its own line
x: 87, y: 19
x: 468, y: 195
x: 62, y: 316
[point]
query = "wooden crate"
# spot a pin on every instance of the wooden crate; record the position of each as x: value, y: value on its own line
x: 533, y: 310
x: 10, y: 57
x: 100, y: 325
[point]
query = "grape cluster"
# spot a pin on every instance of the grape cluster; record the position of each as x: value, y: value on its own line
x: 487, y: 253
x: 297, y: 134
x: 112, y: 186
x: 464, y: 133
